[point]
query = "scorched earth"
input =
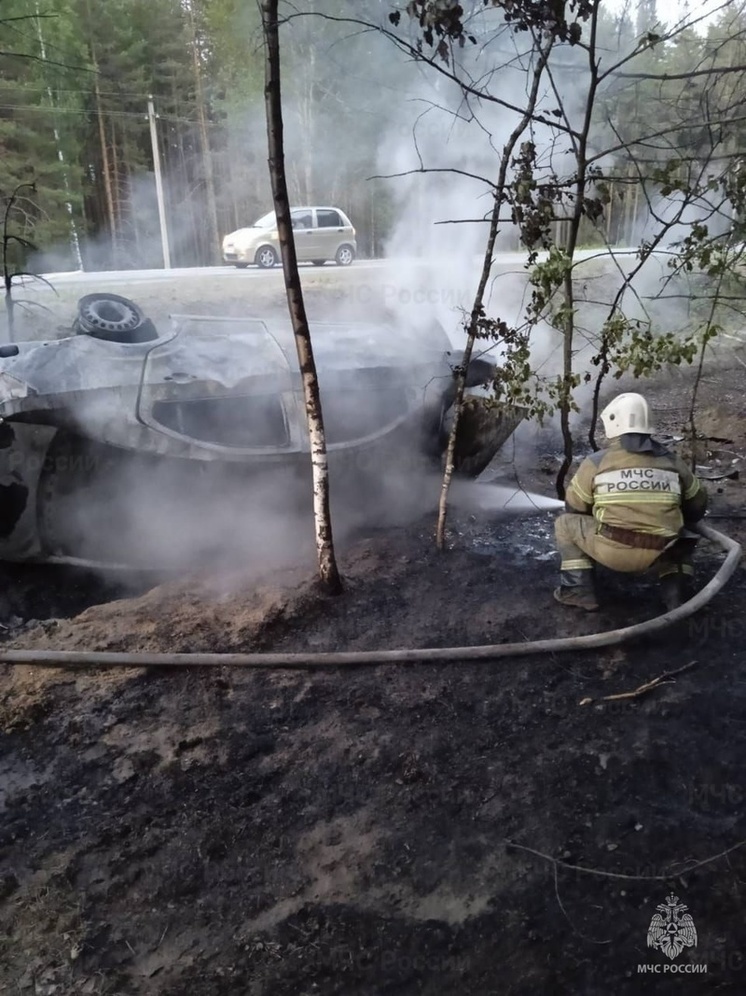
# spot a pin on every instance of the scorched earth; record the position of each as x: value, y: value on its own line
x: 453, y: 828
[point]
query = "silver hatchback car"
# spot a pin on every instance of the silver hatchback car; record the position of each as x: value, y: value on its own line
x: 321, y: 233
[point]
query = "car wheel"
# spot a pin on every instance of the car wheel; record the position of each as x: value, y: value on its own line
x: 266, y: 257
x: 240, y: 266
x: 345, y: 255
x: 113, y: 319
x: 481, y: 433
x: 318, y: 262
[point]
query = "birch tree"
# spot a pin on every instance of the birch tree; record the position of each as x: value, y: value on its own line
x: 328, y: 571
x: 477, y: 316
x: 673, y: 147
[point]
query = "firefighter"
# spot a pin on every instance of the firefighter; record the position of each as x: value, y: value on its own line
x: 628, y: 508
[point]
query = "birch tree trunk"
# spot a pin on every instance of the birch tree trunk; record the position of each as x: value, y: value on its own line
x: 120, y: 193
x: 205, y: 148
x: 328, y: 571
x: 105, y: 164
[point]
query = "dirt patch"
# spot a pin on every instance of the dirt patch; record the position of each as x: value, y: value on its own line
x: 282, y: 833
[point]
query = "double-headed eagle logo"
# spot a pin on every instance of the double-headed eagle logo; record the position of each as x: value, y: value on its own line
x: 671, y: 930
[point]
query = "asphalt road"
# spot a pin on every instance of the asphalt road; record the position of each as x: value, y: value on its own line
x: 192, y: 272
x: 253, y: 272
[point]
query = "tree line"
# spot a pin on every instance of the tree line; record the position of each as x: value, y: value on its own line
x: 76, y: 76
x: 75, y: 80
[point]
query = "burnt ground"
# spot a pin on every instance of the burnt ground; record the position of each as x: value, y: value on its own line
x: 353, y: 831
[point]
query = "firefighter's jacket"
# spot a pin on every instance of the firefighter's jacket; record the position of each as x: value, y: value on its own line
x: 638, y: 484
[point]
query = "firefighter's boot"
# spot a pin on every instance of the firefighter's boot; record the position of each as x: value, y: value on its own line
x: 577, y: 590
x: 674, y: 591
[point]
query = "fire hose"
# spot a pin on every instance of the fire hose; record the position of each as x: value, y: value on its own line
x: 73, y: 658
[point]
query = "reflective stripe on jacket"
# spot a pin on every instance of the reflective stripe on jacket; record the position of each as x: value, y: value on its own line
x: 648, y: 492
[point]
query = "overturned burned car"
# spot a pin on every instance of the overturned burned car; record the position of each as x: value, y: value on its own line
x: 126, y: 445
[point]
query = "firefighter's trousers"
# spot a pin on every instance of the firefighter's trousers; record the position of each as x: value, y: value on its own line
x: 580, y: 545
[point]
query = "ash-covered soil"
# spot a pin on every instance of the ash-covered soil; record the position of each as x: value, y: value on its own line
x: 360, y: 830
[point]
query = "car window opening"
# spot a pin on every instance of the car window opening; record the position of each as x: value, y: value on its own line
x: 244, y: 422
x: 266, y: 221
x: 329, y: 219
x: 354, y: 414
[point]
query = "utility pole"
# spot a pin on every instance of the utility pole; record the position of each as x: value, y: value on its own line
x: 159, y: 184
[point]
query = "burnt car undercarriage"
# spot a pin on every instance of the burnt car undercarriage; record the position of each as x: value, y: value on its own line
x: 122, y: 444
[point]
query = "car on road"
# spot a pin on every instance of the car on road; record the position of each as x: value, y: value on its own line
x: 321, y: 234
x: 124, y: 444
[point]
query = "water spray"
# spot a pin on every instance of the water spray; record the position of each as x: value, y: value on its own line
x: 477, y: 497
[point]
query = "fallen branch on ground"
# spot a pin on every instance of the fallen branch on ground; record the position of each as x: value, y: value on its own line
x: 662, y: 679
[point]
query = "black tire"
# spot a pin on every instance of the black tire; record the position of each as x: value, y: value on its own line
x: 240, y: 266
x: 265, y: 257
x: 112, y: 318
x: 476, y: 440
x: 318, y: 262
x: 473, y: 454
x: 345, y: 255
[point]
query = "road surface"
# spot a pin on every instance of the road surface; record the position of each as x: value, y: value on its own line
x: 501, y: 260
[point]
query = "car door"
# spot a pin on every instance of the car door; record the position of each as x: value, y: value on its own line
x: 305, y: 233
x: 331, y: 232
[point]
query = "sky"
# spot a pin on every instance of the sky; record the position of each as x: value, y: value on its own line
x: 670, y: 12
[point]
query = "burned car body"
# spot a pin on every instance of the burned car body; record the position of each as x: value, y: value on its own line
x: 120, y: 443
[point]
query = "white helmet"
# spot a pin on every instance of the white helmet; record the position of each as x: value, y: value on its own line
x: 627, y: 413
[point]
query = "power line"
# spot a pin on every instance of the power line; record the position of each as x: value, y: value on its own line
x: 86, y: 112
x: 67, y: 110
x: 32, y: 38
x: 84, y: 93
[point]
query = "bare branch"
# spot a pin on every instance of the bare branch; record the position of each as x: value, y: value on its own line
x: 34, y: 276
x: 673, y: 873
x: 712, y: 71
x: 430, y: 169
x: 417, y: 56
x: 47, y: 61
